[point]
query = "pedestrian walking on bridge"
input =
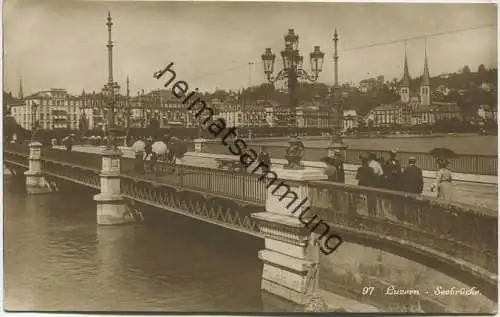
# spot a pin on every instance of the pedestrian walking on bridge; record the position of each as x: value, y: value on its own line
x: 392, y: 172
x: 443, y: 180
x: 149, y: 148
x: 412, y: 180
x: 365, y: 174
x: 377, y: 170
x: 330, y: 169
x: 265, y: 159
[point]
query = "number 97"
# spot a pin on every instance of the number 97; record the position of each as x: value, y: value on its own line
x: 368, y: 290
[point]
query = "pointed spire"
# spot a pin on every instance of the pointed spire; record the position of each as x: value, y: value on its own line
x: 405, y: 82
x: 426, y: 79
x: 21, y: 95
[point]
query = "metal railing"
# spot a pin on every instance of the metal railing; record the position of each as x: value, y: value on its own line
x: 21, y: 148
x: 90, y: 160
x: 237, y: 185
x: 470, y: 164
x: 460, y: 231
x: 242, y: 186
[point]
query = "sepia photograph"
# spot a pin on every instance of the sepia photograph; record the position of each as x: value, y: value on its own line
x: 236, y: 157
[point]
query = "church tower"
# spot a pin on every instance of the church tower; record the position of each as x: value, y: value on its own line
x: 21, y: 94
x: 425, y: 86
x: 404, y: 87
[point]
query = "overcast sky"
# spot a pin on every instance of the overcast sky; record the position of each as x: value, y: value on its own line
x: 61, y: 44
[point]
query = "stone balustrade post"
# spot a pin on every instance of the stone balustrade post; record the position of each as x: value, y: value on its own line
x: 35, y: 182
x: 111, y: 207
x: 291, y: 254
x: 198, y: 145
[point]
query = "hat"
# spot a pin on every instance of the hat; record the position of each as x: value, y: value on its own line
x: 372, y: 155
x: 394, y: 151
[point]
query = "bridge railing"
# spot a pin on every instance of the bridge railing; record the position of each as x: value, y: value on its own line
x: 91, y: 160
x: 457, y: 230
x: 471, y: 164
x: 17, y: 148
x: 238, y: 185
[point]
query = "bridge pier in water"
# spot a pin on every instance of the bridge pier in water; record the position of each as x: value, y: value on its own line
x: 111, y: 206
x: 291, y: 254
x: 35, y: 181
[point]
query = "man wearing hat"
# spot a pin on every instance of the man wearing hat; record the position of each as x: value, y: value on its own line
x: 412, y: 179
x: 392, y: 172
x: 365, y: 174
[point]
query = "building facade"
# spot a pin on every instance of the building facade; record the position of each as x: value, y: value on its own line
x: 415, y: 107
x: 53, y: 109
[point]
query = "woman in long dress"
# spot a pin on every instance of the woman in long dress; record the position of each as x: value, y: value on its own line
x: 443, y: 181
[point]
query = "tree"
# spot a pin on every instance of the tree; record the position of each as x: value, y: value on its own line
x: 10, y: 127
x: 466, y: 70
x: 481, y: 69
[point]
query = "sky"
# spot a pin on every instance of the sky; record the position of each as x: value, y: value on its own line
x: 62, y: 44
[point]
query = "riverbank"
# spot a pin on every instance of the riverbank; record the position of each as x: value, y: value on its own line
x: 461, y: 144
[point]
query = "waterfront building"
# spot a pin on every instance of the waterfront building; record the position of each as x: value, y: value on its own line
x: 416, y: 105
x: 53, y: 109
x: 485, y: 112
x: 351, y: 120
x: 313, y: 115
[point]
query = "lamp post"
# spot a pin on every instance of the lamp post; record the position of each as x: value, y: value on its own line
x: 127, y: 115
x: 110, y: 89
x: 292, y: 70
x: 142, y: 104
x: 337, y: 146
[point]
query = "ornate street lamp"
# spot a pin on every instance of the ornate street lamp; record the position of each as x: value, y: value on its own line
x: 292, y: 70
x: 337, y: 147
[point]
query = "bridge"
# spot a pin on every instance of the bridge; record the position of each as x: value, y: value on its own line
x: 390, y: 239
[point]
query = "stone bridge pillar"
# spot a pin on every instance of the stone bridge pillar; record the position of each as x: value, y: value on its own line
x: 291, y: 254
x: 111, y: 207
x: 35, y: 182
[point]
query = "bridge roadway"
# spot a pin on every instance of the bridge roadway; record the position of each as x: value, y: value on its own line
x: 479, y: 190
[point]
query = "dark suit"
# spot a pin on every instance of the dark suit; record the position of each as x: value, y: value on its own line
x: 366, y: 176
x: 412, y: 180
x: 392, y: 174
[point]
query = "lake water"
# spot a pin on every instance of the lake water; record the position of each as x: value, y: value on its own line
x: 57, y: 258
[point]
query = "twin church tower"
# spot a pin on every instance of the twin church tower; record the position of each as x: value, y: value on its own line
x: 408, y: 94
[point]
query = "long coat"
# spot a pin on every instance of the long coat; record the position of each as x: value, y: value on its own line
x: 366, y: 176
x: 412, y: 180
x: 392, y: 174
